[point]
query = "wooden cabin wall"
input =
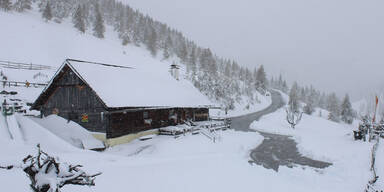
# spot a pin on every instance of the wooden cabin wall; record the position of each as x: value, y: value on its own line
x: 124, y: 123
x: 73, y: 99
x: 201, y: 114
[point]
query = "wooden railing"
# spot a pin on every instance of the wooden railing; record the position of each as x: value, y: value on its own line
x: 21, y: 84
x: 30, y: 66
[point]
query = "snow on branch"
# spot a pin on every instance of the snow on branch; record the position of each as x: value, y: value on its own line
x: 293, y: 117
x: 47, y: 174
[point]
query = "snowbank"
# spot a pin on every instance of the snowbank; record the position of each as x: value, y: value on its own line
x: 71, y: 132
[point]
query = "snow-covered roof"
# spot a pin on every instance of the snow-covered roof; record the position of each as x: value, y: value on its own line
x: 137, y: 87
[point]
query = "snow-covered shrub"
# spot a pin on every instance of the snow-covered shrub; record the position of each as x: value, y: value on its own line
x: 47, y: 174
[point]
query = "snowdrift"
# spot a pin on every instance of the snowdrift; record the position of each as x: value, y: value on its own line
x: 70, y: 132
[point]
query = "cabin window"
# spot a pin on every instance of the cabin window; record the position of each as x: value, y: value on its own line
x: 145, y: 115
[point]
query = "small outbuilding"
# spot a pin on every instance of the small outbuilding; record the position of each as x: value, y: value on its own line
x: 119, y: 103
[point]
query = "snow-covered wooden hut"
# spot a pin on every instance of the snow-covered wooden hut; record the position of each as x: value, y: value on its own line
x: 120, y: 102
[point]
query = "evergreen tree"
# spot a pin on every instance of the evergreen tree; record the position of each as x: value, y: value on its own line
x: 347, y: 113
x: 227, y: 70
x: 333, y: 107
x: 47, y: 12
x: 78, y: 19
x: 183, y: 53
x: 151, y: 40
x: 192, y: 60
x: 261, y: 78
x: 5, y: 5
x: 293, y: 103
x: 166, y: 54
x: 22, y: 5
x: 98, y: 25
x: 309, y: 108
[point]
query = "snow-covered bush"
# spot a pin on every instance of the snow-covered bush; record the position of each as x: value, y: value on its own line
x: 47, y: 174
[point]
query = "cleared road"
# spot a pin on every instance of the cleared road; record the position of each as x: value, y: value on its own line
x: 275, y: 150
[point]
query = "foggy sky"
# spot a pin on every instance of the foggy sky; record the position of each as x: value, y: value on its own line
x: 336, y: 45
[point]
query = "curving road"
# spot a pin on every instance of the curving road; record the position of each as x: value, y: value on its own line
x: 242, y: 123
x: 275, y: 150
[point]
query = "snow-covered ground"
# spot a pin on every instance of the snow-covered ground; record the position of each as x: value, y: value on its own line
x: 188, y: 163
x: 195, y: 163
x: 324, y: 140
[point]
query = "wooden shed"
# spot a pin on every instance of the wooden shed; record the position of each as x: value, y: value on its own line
x: 118, y: 100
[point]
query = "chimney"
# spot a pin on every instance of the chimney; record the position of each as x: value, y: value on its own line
x: 175, y: 71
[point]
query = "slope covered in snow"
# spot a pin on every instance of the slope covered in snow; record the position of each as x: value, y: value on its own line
x: 27, y: 38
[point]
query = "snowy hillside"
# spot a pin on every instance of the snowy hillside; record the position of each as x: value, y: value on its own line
x: 27, y: 38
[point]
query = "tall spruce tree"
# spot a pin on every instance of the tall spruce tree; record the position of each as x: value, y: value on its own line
x: 78, y: 19
x: 333, y: 106
x: 22, y: 5
x: 151, y: 40
x: 261, y: 78
x: 293, y: 103
x: 98, y: 24
x: 5, y: 5
x: 347, y: 113
x: 47, y: 12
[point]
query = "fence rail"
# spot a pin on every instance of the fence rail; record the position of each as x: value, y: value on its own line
x: 30, y: 66
x: 22, y: 84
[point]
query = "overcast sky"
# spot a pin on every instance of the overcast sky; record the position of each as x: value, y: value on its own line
x: 336, y: 45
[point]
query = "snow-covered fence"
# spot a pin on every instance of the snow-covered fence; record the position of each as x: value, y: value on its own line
x: 226, y: 122
x: 22, y: 84
x: 210, y: 134
x: 30, y: 66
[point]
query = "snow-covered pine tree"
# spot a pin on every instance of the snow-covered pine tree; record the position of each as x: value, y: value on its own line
x: 22, y: 5
x: 309, y: 108
x: 122, y: 25
x: 5, y: 5
x: 261, y: 79
x: 293, y: 103
x: 47, y: 12
x: 98, y: 25
x: 151, y: 40
x: 192, y: 60
x: 333, y: 107
x: 207, y: 62
x: 62, y: 9
x: 183, y: 53
x: 347, y: 113
x: 78, y: 19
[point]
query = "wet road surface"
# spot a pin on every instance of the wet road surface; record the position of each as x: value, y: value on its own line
x: 275, y: 150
